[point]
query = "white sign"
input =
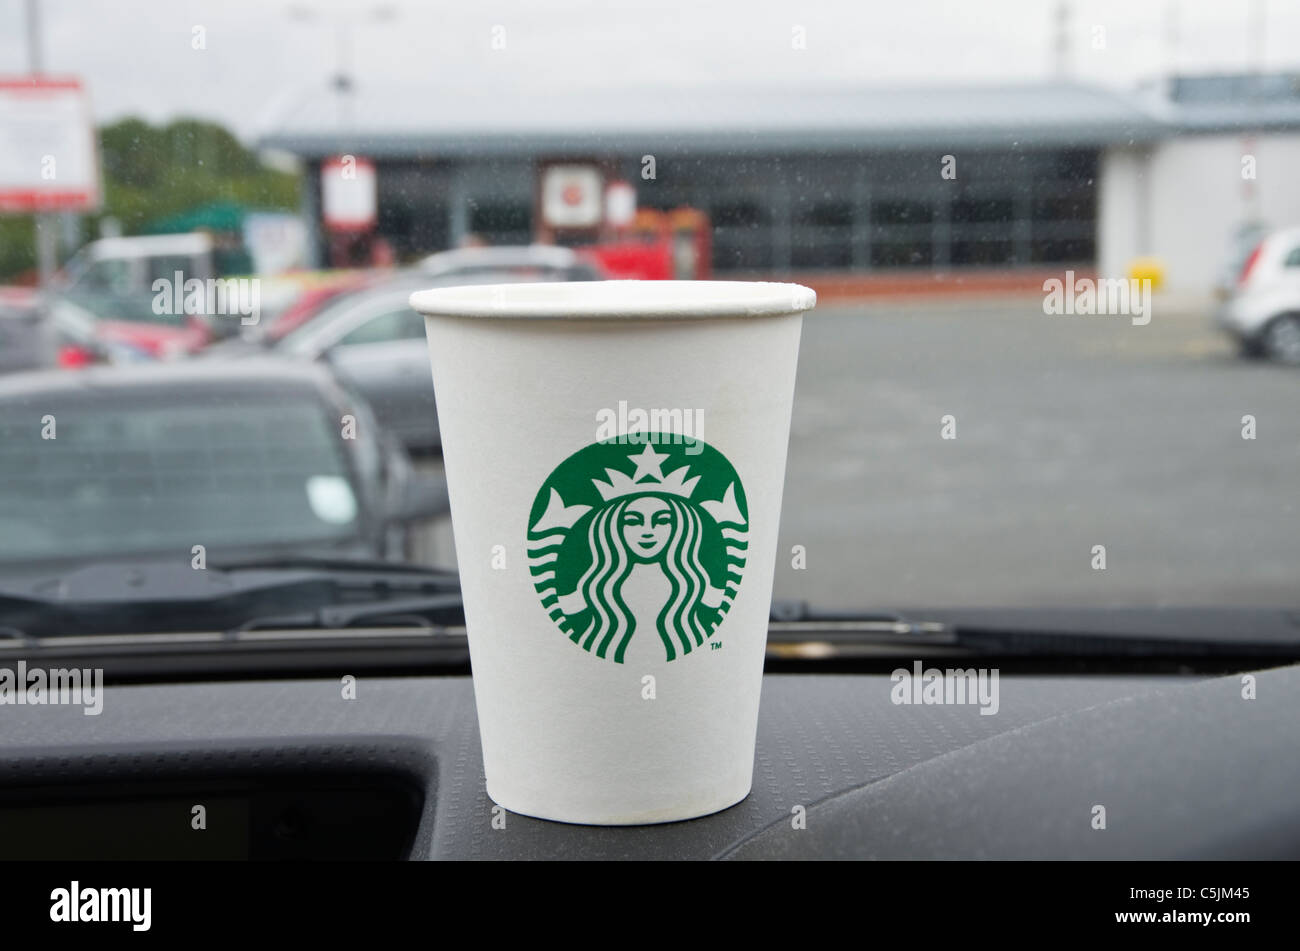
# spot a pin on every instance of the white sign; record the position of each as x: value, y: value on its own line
x: 276, y: 241
x: 48, y: 155
x: 349, y: 194
x: 620, y: 204
x: 571, y: 196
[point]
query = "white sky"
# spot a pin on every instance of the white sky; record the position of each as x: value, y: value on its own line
x: 137, y: 57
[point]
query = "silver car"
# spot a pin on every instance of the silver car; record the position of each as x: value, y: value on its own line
x: 1263, y: 311
x: 543, y: 262
x: 28, y: 340
x: 376, y: 342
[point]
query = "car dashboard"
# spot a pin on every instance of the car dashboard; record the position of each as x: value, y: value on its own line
x: 1181, y: 766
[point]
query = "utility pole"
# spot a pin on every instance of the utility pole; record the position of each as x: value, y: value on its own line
x: 1172, y: 40
x: 46, y: 236
x: 343, y: 81
x: 1061, y: 45
x: 1258, y: 34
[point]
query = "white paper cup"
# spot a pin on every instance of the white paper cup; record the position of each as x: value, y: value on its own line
x: 616, y: 592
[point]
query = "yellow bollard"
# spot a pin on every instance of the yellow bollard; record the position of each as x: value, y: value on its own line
x: 1147, y: 269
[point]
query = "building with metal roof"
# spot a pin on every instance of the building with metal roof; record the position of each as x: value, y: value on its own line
x: 937, y: 178
x: 400, y: 122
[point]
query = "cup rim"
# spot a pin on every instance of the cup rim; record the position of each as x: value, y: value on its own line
x: 617, y: 300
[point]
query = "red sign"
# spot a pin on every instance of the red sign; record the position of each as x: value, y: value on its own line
x: 571, y: 196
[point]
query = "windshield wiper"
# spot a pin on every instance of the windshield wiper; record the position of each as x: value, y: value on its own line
x: 169, y: 596
x: 410, y: 612
x: 285, y: 562
x: 800, y: 632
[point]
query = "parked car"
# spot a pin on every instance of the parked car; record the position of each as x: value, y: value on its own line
x: 27, y: 340
x: 532, y: 262
x: 114, y: 279
x: 131, y: 265
x: 84, y: 339
x: 312, y: 292
x: 1244, y: 240
x: 37, y: 332
x: 262, y: 458
x: 1263, y: 311
x: 118, y: 319
x: 374, y: 339
x: 291, y: 300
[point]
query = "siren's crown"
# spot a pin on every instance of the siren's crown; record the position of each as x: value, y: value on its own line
x: 621, y: 484
x: 648, y: 477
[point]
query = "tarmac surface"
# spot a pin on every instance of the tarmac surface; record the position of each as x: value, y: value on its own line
x: 1070, y: 432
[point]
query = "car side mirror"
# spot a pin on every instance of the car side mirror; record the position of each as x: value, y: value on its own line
x: 424, y: 497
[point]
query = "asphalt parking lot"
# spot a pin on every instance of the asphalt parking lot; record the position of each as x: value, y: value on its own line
x: 1070, y: 432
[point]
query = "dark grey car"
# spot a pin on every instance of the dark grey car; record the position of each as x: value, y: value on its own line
x: 259, y: 458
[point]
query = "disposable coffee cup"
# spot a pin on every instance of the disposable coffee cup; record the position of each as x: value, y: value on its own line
x: 615, y: 456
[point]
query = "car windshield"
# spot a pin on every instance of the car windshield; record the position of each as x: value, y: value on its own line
x: 132, y: 307
x: 1053, y: 365
x: 116, y: 480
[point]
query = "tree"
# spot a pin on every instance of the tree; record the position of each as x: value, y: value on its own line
x: 152, y: 172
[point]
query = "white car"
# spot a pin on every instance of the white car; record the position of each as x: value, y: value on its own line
x: 541, y: 262
x: 1263, y: 311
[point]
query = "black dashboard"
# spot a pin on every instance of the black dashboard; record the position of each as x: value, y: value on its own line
x: 1070, y: 766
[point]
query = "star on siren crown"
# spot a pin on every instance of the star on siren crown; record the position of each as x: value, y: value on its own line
x: 648, y: 464
x: 620, y: 484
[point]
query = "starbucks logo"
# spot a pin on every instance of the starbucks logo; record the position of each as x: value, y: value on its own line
x: 634, y: 541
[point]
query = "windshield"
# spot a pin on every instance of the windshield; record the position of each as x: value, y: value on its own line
x: 119, y: 480
x: 1054, y: 362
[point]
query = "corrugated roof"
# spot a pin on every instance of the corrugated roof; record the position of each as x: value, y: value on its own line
x: 403, y: 121
x: 387, y: 122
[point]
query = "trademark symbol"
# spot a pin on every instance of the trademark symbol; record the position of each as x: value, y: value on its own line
x: 716, y: 645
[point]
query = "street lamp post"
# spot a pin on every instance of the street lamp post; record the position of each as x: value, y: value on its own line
x: 342, y: 83
x: 344, y: 26
x: 46, y: 237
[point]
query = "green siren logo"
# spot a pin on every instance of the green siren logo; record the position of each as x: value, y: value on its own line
x: 623, y: 542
